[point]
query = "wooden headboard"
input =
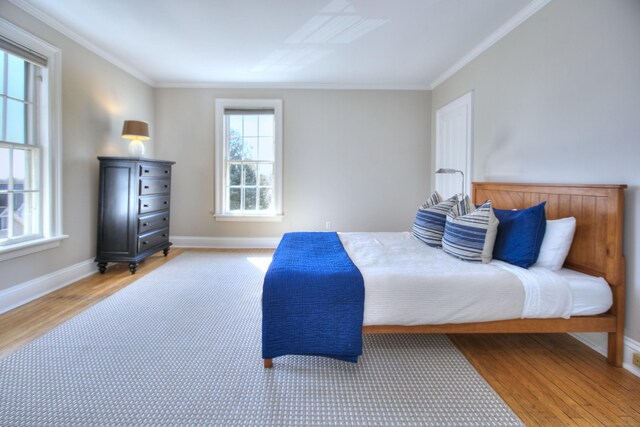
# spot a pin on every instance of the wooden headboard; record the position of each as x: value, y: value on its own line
x: 599, y: 213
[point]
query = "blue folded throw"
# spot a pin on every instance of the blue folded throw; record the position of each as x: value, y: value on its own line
x: 312, y: 299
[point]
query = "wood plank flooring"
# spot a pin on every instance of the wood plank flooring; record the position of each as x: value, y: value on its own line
x: 547, y: 379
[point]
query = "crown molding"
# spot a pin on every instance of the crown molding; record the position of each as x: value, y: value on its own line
x: 56, y: 25
x: 505, y: 29
x: 268, y: 85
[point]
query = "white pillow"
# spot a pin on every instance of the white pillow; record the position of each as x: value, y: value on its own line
x: 556, y: 243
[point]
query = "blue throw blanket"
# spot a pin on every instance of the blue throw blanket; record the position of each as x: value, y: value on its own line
x: 312, y: 299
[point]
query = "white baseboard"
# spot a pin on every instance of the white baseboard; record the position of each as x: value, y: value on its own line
x: 28, y: 291
x: 630, y: 346
x: 225, y: 242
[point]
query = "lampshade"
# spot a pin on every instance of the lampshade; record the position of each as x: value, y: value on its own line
x: 134, y: 129
x: 441, y: 170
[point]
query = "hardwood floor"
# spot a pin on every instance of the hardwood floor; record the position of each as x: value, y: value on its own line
x: 547, y: 379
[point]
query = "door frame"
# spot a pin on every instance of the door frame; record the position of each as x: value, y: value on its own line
x: 465, y: 100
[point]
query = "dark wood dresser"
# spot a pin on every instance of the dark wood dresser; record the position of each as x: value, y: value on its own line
x: 133, y: 211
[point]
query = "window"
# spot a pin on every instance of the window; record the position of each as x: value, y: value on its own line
x: 20, y: 194
x: 29, y: 144
x: 248, y: 160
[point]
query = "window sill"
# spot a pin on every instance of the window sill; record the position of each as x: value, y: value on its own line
x: 30, y: 247
x: 248, y: 218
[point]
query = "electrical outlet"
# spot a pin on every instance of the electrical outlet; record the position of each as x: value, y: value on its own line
x: 636, y: 359
x: 327, y: 225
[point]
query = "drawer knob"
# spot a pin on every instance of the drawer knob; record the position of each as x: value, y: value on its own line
x: 164, y: 234
x: 146, y: 171
x: 145, y: 242
x: 144, y: 224
x: 166, y: 203
x: 166, y: 171
x: 146, y: 186
x: 164, y: 219
x: 166, y: 186
x: 145, y: 206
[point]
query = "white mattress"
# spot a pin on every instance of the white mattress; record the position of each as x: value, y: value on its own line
x: 409, y: 283
x: 591, y: 295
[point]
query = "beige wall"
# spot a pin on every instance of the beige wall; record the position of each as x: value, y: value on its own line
x: 359, y: 159
x: 96, y: 98
x: 558, y: 100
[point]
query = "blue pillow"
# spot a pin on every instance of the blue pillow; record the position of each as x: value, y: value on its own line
x: 520, y: 235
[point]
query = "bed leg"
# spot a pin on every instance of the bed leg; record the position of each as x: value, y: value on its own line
x: 616, y: 349
x: 268, y: 363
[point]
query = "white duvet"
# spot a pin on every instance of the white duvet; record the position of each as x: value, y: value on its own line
x: 408, y: 283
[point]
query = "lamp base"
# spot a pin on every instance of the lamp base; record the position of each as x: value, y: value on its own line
x: 136, y: 148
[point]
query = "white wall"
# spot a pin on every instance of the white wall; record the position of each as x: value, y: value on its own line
x: 359, y: 159
x: 96, y: 98
x: 558, y: 100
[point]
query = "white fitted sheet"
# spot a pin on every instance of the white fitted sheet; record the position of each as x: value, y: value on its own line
x: 591, y: 295
x: 410, y: 283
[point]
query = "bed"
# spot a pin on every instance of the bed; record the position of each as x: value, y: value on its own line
x: 596, y: 251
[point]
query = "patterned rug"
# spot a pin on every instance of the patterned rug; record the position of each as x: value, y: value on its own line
x: 181, y: 346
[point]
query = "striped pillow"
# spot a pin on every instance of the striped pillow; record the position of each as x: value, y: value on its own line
x: 432, y: 201
x: 471, y: 237
x: 430, y: 220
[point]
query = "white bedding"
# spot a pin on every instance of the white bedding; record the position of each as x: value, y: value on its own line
x: 591, y: 295
x: 409, y: 283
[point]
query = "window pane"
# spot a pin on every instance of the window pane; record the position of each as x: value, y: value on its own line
x: 16, y: 76
x: 235, y: 125
x: 250, y: 125
x: 249, y: 199
x: 250, y: 174
x: 23, y: 170
x: 266, y: 125
x: 235, y: 175
x: 234, y: 199
x: 4, y: 216
x: 25, y: 217
x: 4, y: 197
x: 267, y: 149
x: 265, y: 198
x: 1, y: 116
x: 16, y: 121
x: 251, y: 148
x: 266, y: 175
x: 2, y: 55
x: 235, y: 147
x: 4, y: 169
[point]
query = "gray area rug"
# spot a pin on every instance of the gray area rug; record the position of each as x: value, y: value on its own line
x: 181, y: 346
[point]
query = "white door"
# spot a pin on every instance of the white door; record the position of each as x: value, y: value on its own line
x: 454, y: 134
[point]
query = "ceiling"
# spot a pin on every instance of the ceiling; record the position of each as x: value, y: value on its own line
x: 348, y: 43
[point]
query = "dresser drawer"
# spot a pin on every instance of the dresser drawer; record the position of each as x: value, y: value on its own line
x: 153, y: 222
x: 152, y: 204
x: 155, y: 170
x: 149, y: 240
x: 154, y: 186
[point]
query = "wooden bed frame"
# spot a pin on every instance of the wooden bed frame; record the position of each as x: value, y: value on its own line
x: 596, y: 250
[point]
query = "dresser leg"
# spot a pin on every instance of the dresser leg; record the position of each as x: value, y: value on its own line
x: 102, y: 267
x: 165, y: 251
x: 133, y: 267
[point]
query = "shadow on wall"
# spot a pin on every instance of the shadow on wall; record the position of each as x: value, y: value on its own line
x: 503, y: 160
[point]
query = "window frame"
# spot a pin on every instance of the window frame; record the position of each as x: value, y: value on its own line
x: 220, y: 213
x: 47, y: 113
